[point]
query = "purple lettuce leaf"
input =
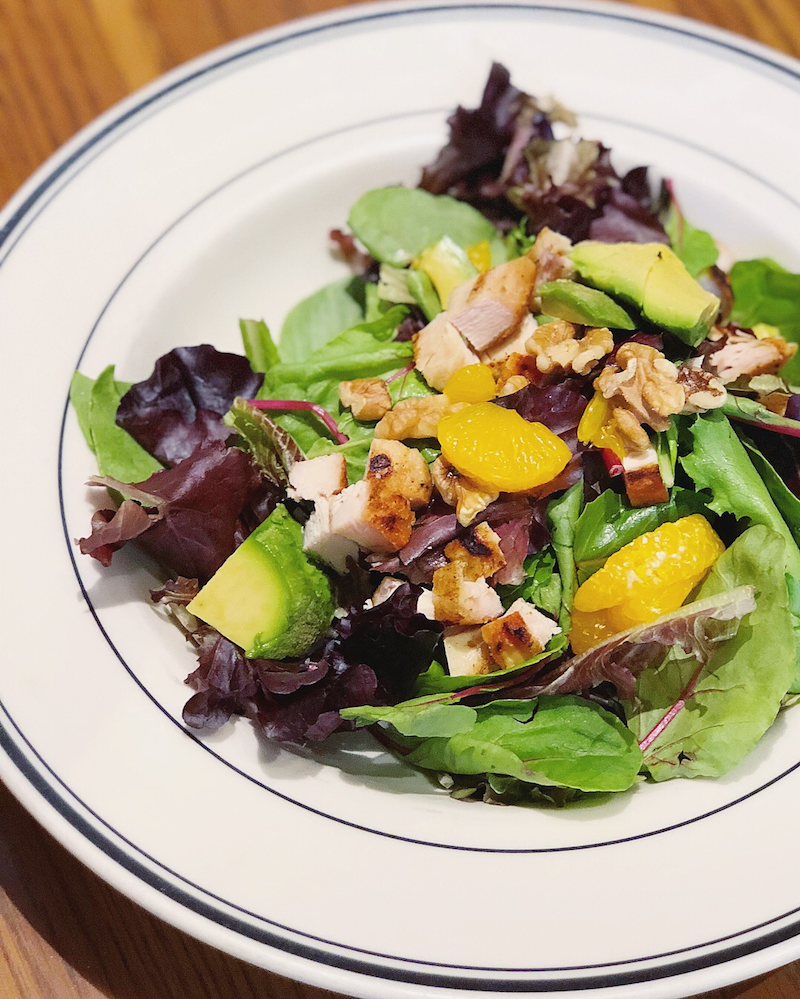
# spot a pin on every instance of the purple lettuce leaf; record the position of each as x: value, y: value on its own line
x: 695, y: 628
x: 193, y: 511
x: 559, y: 407
x: 181, y: 405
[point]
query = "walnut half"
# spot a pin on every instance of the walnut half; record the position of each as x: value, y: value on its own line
x: 558, y: 350
x: 641, y: 380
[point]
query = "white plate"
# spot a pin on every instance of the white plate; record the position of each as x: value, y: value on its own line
x: 208, y: 197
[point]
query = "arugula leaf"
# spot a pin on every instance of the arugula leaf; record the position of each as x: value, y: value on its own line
x: 397, y: 223
x: 724, y: 707
x: 541, y: 586
x: 720, y: 463
x: 562, y: 517
x: 259, y: 347
x: 315, y: 320
x: 565, y: 741
x: 696, y: 248
x: 118, y: 454
x: 609, y: 522
x: 765, y: 292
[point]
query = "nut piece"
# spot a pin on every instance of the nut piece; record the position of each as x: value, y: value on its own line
x: 478, y: 551
x: 643, y: 381
x: 367, y: 398
x: 402, y: 470
x: 558, y: 351
x: 703, y: 390
x: 457, y: 490
x: 416, y: 418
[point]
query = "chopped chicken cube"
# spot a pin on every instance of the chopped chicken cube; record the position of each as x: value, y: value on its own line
x: 315, y: 477
x: 384, y: 590
x: 458, y: 600
x: 425, y: 604
x: 373, y: 516
x: 478, y: 550
x: 510, y: 345
x: 467, y: 653
x: 416, y: 418
x: 746, y: 354
x: 550, y: 254
x: 496, y: 304
x: 519, y: 635
x: 366, y: 398
x: 643, y: 482
x: 402, y: 469
x: 457, y: 490
x: 321, y: 540
x: 440, y: 350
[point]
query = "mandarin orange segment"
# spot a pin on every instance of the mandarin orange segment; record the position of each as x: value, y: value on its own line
x: 472, y: 383
x: 499, y: 450
x: 651, y: 576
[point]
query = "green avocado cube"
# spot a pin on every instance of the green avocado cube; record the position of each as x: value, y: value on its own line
x: 267, y: 597
x: 578, y: 303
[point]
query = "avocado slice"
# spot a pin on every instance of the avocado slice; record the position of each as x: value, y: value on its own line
x: 578, y: 303
x: 651, y: 277
x: 267, y: 597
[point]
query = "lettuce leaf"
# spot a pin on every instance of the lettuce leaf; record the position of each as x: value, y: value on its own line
x: 562, y: 517
x: 721, y: 709
x: 319, y: 318
x: 719, y: 462
x: 695, y: 248
x: 563, y: 741
x: 765, y: 292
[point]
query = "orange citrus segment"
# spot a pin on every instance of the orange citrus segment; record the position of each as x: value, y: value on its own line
x: 499, y: 450
x: 472, y: 383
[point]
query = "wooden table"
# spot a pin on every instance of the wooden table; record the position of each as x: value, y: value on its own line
x: 64, y: 934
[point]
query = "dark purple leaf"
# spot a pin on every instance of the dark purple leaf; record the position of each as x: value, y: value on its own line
x: 559, y: 407
x: 181, y: 405
x: 194, y: 525
x: 111, y: 529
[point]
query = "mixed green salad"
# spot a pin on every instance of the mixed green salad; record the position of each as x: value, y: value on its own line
x: 520, y: 492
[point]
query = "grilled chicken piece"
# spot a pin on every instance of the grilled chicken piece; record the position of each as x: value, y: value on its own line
x: 315, y: 477
x: 401, y: 469
x: 519, y: 635
x: 459, y: 600
x: 467, y: 653
x: 375, y: 517
x: 743, y: 353
x: 321, y: 540
x: 643, y: 482
x: 478, y: 550
x: 440, y: 350
x: 496, y: 305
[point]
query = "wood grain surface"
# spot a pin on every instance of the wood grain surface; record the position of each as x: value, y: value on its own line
x: 64, y: 933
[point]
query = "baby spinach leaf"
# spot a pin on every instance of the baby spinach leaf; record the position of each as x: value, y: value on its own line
x: 696, y: 248
x: 721, y: 710
x: 541, y: 586
x: 719, y: 462
x: 317, y: 319
x: 784, y: 499
x: 419, y: 718
x: 118, y: 454
x: 397, y: 223
x: 765, y: 292
x: 565, y: 741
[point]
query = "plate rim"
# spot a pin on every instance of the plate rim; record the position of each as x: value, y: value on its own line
x: 34, y: 192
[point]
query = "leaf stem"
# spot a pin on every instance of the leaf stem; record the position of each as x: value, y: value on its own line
x: 309, y: 407
x: 674, y: 711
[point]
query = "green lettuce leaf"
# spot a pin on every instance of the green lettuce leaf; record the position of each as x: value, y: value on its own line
x: 719, y: 462
x: 259, y: 347
x: 541, y: 586
x: 565, y: 741
x: 562, y: 518
x: 765, y: 292
x: 731, y: 702
x: 696, y: 248
x: 397, y: 223
x: 316, y: 320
